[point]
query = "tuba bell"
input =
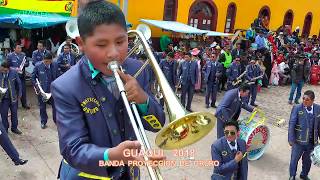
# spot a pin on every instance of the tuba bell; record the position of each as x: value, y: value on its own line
x: 73, y: 32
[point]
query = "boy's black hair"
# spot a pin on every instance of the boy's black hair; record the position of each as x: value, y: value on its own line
x: 244, y: 87
x: 67, y: 45
x: 231, y: 123
x: 47, y: 56
x: 310, y: 94
x: 5, y: 64
x: 99, y: 12
x: 41, y: 41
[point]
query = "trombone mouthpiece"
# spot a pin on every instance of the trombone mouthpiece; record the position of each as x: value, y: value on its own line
x: 113, y: 65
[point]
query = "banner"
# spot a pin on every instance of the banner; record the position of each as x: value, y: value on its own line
x: 38, y: 7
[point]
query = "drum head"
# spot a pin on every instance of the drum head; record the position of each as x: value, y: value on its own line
x: 257, y: 139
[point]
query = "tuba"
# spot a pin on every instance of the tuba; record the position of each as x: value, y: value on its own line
x: 45, y: 96
x: 73, y: 32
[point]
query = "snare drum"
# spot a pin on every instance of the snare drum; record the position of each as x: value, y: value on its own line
x: 315, y: 156
x: 256, y: 135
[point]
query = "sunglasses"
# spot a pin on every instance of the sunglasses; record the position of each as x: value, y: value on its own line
x: 231, y: 133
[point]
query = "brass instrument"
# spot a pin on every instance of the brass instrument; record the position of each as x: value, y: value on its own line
x: 73, y: 32
x: 3, y: 90
x: 45, y: 96
x: 254, y: 79
x: 239, y: 79
x: 184, y: 128
x: 20, y: 69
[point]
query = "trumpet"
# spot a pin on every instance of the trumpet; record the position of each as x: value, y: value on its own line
x: 253, y: 80
x: 45, y: 96
x: 239, y: 79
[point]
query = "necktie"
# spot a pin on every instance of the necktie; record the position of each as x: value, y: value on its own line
x: 232, y: 143
x: 309, y: 108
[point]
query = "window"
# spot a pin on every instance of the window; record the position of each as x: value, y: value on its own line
x: 230, y: 19
x: 307, y: 25
x: 170, y: 10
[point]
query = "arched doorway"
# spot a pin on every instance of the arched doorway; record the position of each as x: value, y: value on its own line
x: 288, y: 18
x: 170, y: 10
x: 265, y: 11
x: 231, y: 18
x: 265, y: 16
x: 307, y: 25
x: 203, y: 14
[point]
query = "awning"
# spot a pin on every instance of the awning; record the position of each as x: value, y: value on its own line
x: 182, y: 28
x: 173, y: 26
x: 214, y: 33
x: 33, y: 21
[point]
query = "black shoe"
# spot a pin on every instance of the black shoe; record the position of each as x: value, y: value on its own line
x: 296, y: 102
x: 43, y: 126
x: 26, y: 107
x: 290, y: 102
x: 213, y: 105
x: 304, y: 177
x: 207, y: 106
x: 20, y: 162
x: 255, y: 105
x: 189, y: 110
x: 16, y: 131
x: 292, y: 178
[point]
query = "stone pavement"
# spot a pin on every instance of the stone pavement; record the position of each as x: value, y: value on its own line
x: 41, y: 147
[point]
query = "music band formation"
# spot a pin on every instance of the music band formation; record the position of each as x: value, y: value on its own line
x: 102, y: 102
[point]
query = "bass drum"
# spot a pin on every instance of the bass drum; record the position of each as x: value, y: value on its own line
x: 256, y: 135
x: 315, y: 156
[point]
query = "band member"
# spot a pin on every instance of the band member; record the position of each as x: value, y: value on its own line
x: 213, y: 71
x: 188, y: 73
x: 46, y: 72
x: 303, y: 133
x: 230, y: 151
x: 230, y: 106
x: 233, y: 72
x: 8, y: 147
x: 238, y: 52
x: 10, y: 80
x: 66, y: 59
x: 15, y: 59
x: 37, y: 55
x: 169, y: 69
x: 88, y: 103
x: 254, y: 75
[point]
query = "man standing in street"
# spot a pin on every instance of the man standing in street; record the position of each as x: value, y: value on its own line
x: 303, y: 134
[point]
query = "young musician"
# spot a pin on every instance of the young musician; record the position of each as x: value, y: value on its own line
x: 46, y: 72
x: 66, y: 59
x: 230, y: 106
x: 15, y: 59
x: 233, y: 72
x: 254, y: 74
x: 230, y: 151
x: 10, y: 80
x: 37, y: 55
x: 213, y: 71
x: 92, y: 121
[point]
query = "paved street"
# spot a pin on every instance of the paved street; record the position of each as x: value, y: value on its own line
x: 40, y: 147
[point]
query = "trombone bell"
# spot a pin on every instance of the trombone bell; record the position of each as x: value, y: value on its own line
x: 184, y: 128
x: 3, y: 90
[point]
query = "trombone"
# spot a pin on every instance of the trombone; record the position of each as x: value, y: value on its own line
x: 184, y: 129
x: 3, y: 90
